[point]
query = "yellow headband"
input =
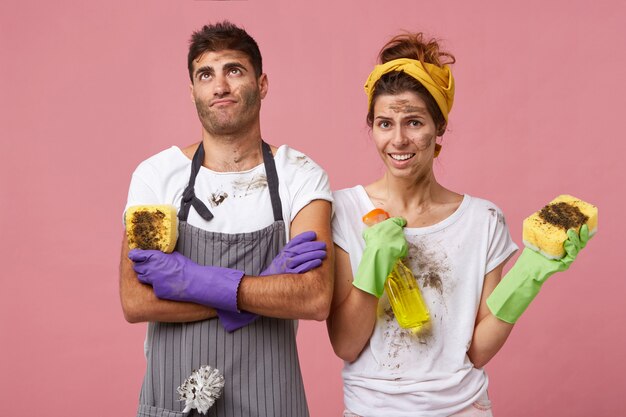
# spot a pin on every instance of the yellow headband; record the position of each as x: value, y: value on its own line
x: 438, y: 81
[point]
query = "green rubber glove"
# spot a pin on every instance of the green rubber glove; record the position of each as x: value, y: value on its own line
x: 522, y: 283
x: 384, y: 245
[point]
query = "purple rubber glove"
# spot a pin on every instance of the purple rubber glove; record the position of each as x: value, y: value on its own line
x: 176, y: 277
x: 301, y: 254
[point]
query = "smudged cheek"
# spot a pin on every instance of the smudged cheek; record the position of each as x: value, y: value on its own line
x: 422, y: 142
x: 250, y: 95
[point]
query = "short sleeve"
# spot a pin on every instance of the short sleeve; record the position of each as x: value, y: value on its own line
x: 139, y: 191
x: 346, y: 223
x: 305, y: 180
x: 501, y: 246
x: 339, y: 235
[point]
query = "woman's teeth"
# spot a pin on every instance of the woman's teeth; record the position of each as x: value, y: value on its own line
x: 402, y: 157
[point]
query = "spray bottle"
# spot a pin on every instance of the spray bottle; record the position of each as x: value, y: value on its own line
x: 402, y: 289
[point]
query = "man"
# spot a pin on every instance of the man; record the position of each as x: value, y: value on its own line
x: 226, y: 296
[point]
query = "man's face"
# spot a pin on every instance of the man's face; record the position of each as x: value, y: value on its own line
x: 227, y: 92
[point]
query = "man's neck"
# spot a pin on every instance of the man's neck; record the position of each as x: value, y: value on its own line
x: 234, y: 153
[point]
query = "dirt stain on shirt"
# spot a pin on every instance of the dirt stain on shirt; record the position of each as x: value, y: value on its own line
x: 217, y: 198
x: 429, y: 262
x: 398, y: 339
x: 247, y: 187
x: 499, y: 215
x: 433, y: 280
x: 301, y: 161
x: 429, y: 266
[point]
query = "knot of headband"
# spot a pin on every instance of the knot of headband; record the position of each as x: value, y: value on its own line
x: 438, y: 81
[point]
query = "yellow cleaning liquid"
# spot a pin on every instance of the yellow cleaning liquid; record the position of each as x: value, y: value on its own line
x: 403, y: 292
x: 406, y: 298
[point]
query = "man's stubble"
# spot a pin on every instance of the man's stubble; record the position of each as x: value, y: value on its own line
x: 230, y: 125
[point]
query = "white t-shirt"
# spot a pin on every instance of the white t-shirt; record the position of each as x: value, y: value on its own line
x: 239, y: 201
x: 428, y: 374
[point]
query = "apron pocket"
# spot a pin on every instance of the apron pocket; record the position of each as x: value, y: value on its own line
x: 151, y: 411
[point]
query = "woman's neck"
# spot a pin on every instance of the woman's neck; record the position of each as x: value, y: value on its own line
x: 403, y: 193
x: 421, y: 201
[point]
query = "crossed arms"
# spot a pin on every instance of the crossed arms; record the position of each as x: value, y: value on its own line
x: 290, y: 296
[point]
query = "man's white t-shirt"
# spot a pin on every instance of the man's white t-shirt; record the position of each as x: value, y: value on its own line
x: 401, y: 374
x: 239, y: 201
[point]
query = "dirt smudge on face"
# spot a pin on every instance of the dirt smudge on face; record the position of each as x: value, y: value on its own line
x: 422, y: 143
x: 405, y: 106
x: 257, y: 183
x: 217, y: 198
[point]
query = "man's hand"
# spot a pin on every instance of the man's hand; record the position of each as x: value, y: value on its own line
x: 176, y: 277
x: 300, y: 255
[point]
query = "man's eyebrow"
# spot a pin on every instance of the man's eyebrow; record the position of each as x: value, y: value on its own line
x: 231, y: 65
x: 205, y: 68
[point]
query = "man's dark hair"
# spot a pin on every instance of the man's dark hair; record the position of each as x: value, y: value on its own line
x: 221, y: 36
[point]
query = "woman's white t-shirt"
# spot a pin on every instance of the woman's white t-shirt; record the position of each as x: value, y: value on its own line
x: 402, y: 374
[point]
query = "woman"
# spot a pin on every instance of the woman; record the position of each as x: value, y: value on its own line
x: 455, y: 244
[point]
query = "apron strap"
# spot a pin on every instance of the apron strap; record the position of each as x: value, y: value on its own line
x: 272, y: 181
x: 189, y: 195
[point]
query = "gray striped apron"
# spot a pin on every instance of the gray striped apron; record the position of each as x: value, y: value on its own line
x: 259, y: 361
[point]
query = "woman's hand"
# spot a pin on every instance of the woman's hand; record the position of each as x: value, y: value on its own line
x: 385, y: 244
x: 523, y: 282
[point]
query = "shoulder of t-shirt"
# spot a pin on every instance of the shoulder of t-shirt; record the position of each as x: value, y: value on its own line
x: 299, y: 173
x: 168, y: 160
x: 486, y: 211
x: 167, y: 157
x: 289, y: 159
x: 483, y: 205
x: 346, y: 202
x: 347, y: 197
x: 346, y: 217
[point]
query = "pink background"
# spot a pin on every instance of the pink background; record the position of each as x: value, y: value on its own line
x: 89, y: 89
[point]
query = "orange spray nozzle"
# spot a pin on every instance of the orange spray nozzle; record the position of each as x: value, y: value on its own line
x: 375, y: 216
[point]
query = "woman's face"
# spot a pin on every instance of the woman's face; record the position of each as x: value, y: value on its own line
x: 404, y: 133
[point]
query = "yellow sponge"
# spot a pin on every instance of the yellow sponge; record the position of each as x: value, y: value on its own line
x: 152, y: 227
x: 546, y: 230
